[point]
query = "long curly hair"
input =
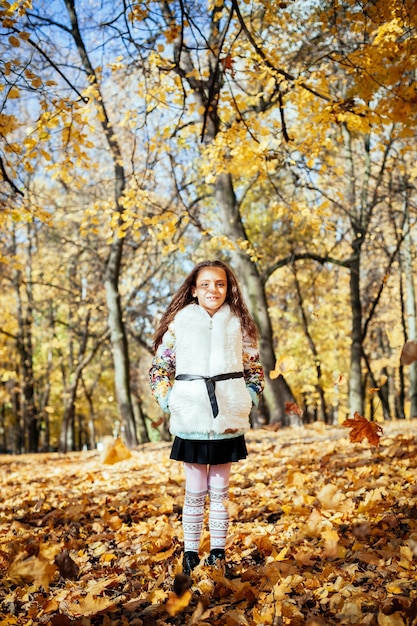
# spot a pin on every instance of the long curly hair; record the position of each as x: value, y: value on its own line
x: 184, y: 296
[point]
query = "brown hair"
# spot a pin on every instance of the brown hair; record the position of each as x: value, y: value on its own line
x: 184, y: 296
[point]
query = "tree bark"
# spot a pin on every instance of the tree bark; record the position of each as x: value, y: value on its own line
x: 113, y: 267
x: 356, y: 395
x: 319, y: 385
x: 29, y: 423
x: 277, y: 392
x: 410, y: 307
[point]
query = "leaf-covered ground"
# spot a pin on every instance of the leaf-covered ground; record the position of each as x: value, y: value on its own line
x: 323, y: 531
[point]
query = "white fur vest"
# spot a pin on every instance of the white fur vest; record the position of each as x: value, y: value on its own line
x: 208, y: 346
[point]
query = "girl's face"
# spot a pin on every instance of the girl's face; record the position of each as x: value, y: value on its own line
x: 210, y: 289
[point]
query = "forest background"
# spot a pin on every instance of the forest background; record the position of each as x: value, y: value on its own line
x: 138, y: 138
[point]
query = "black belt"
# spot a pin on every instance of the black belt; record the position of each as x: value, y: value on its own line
x: 210, y: 384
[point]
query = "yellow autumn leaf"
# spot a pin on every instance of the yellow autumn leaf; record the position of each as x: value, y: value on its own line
x: 286, y: 586
x: 14, y: 93
x: 296, y: 478
x: 331, y: 540
x: 283, y: 365
x: 282, y: 554
x: 108, y: 557
x: 88, y: 605
x: 175, y: 604
x: 31, y: 570
x: 114, y: 450
x: 395, y: 589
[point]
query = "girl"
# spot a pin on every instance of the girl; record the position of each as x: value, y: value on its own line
x: 206, y: 373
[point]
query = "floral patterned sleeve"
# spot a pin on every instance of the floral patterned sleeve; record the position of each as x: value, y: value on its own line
x: 162, y: 371
x: 252, y: 369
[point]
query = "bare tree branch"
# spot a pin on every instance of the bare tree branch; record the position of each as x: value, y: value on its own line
x: 8, y: 179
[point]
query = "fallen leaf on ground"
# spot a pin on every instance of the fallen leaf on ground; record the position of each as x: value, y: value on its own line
x: 322, y: 533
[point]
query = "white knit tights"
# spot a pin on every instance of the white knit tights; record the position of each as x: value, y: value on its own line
x: 200, y: 480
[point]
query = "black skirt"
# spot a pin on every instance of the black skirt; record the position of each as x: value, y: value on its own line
x: 210, y: 452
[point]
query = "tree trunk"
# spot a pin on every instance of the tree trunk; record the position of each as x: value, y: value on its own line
x: 119, y: 344
x: 313, y: 348
x: 44, y: 394
x: 3, y: 439
x: 111, y: 278
x: 356, y: 399
x: 277, y: 392
x: 140, y: 421
x: 410, y: 308
x: 29, y: 415
x: 91, y: 427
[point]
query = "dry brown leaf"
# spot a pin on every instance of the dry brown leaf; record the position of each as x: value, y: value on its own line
x: 307, y: 505
x: 291, y: 408
x: 361, y: 429
x: 409, y: 353
x: 66, y: 565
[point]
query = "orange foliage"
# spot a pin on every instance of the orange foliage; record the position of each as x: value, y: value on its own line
x: 362, y: 429
x: 321, y: 533
x: 291, y: 408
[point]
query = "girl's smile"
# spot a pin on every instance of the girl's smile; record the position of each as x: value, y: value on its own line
x: 211, y: 289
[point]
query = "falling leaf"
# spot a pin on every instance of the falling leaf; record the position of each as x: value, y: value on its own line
x: 362, y: 429
x: 341, y: 379
x: 66, y: 565
x: 182, y: 582
x: 382, y: 382
x: 409, y: 353
x: 283, y: 365
x: 228, y: 63
x: 175, y: 604
x: 291, y: 408
x: 114, y: 450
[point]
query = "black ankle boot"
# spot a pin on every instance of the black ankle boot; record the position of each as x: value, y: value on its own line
x: 189, y: 562
x: 217, y: 554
